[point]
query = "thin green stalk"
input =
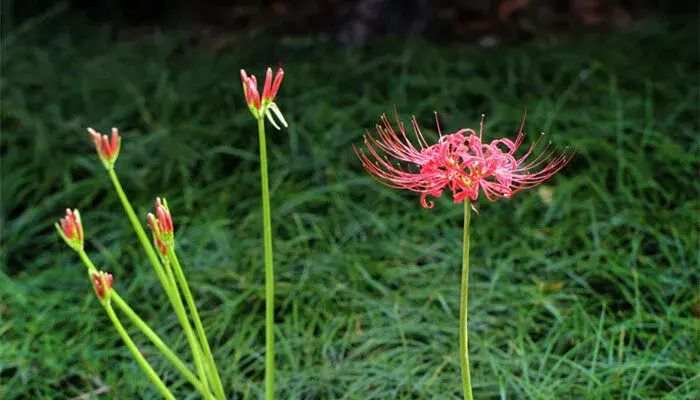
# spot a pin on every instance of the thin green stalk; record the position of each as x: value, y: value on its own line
x: 269, y: 271
x: 150, y: 252
x: 86, y: 260
x: 137, y: 354
x: 158, y: 342
x: 191, y: 338
x: 215, y: 379
x: 170, y: 290
x: 463, y: 333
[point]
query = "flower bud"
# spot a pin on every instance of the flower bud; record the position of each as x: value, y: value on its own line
x: 107, y: 149
x: 71, y: 229
x: 102, y: 283
x: 162, y: 226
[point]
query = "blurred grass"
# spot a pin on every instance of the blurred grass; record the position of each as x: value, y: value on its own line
x: 593, y: 294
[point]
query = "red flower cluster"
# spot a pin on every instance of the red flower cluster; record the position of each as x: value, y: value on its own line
x: 460, y: 162
x: 162, y: 226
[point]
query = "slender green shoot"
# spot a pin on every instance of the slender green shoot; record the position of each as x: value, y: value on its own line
x: 158, y: 342
x: 137, y: 354
x: 463, y: 309
x: 213, y: 374
x: 269, y: 269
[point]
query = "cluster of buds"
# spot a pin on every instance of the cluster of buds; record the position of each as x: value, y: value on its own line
x: 162, y: 227
x: 102, y: 283
x: 71, y: 229
x: 265, y: 106
x: 107, y: 149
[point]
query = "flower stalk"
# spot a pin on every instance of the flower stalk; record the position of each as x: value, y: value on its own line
x: 463, y: 308
x: 160, y: 345
x: 212, y: 372
x: 269, y: 270
x: 163, y: 236
x: 137, y: 354
x: 261, y: 108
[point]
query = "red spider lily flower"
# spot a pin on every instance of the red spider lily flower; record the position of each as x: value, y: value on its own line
x: 162, y: 226
x: 100, y: 281
x: 458, y: 162
x: 107, y: 149
x: 265, y: 106
x: 71, y: 229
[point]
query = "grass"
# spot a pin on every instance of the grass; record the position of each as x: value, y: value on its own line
x: 584, y: 289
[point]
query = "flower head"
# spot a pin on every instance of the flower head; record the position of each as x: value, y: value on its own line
x: 71, y: 229
x: 107, y: 149
x: 458, y: 162
x: 265, y: 106
x: 162, y: 226
x: 102, y: 283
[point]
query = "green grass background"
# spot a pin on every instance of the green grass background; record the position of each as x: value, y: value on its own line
x: 593, y: 295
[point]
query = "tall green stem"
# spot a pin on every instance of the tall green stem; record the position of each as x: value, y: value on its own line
x: 153, y: 337
x: 215, y: 379
x: 269, y: 271
x: 170, y: 289
x: 463, y: 333
x: 137, y: 354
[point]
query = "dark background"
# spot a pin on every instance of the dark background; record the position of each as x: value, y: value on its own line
x: 217, y: 22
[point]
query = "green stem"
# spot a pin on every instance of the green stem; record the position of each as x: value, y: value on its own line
x: 150, y: 252
x: 191, y: 338
x: 214, y: 377
x: 137, y: 354
x: 463, y: 334
x: 170, y: 290
x: 86, y: 260
x: 269, y: 271
x: 153, y: 337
